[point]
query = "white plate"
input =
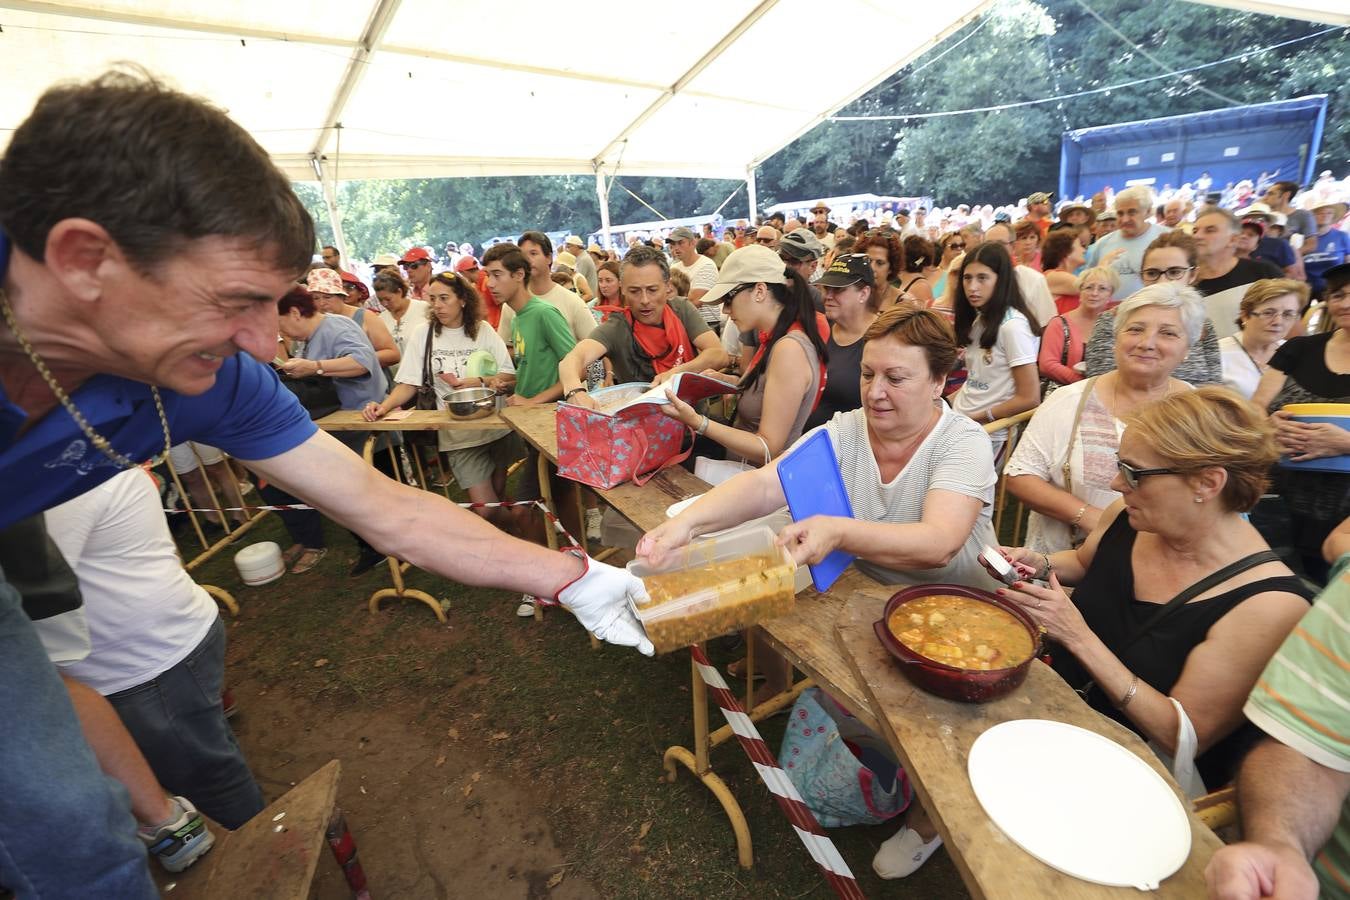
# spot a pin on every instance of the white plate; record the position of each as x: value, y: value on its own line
x: 1080, y: 802
x: 676, y: 508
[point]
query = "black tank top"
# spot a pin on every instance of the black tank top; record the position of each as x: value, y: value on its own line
x: 1107, y: 601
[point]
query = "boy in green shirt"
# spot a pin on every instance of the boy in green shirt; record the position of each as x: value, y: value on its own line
x: 539, y: 332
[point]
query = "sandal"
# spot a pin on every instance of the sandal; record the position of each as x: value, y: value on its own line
x: 292, y: 554
x: 308, y: 560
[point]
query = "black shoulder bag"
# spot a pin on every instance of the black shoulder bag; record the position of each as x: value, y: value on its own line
x: 426, y: 391
x: 1181, y: 599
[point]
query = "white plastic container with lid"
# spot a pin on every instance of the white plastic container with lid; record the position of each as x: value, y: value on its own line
x: 259, y: 563
x: 717, y: 603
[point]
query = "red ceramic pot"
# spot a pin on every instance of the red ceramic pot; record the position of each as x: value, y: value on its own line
x: 951, y: 682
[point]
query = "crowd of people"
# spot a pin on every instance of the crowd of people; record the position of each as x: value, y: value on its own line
x: 1155, y: 346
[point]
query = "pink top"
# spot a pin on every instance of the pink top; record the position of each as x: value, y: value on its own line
x: 1052, y: 349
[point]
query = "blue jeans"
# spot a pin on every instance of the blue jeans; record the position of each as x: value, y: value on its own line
x: 66, y: 830
x: 179, y: 724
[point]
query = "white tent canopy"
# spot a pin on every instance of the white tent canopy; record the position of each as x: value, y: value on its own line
x: 484, y: 87
x: 351, y: 89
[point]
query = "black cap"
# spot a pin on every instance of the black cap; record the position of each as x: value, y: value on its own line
x: 902, y: 211
x: 1338, y: 275
x: 851, y: 268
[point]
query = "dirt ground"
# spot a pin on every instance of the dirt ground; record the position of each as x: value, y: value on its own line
x: 498, y: 757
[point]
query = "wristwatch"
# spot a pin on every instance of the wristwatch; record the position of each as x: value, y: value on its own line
x: 575, y: 390
x: 318, y: 368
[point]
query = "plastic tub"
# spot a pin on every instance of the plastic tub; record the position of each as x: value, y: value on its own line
x: 1337, y: 414
x: 721, y: 592
x: 259, y: 563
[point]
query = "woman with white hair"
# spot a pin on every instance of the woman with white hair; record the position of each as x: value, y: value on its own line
x: 1064, y: 465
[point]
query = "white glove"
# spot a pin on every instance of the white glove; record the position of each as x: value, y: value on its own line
x: 599, y: 600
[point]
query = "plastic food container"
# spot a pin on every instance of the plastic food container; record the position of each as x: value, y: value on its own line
x: 716, y: 585
x: 259, y: 563
x: 1337, y: 414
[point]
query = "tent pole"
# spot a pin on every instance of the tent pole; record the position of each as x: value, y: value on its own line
x: 751, y: 194
x: 604, y: 206
x: 330, y: 201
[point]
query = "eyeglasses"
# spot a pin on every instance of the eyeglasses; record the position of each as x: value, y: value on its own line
x: 1270, y: 315
x: 1172, y: 273
x: 955, y: 246
x: 766, y: 241
x: 415, y: 264
x: 1132, y: 474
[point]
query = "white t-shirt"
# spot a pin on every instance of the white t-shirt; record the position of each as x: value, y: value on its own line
x: 702, y: 276
x: 1239, y: 370
x: 579, y: 318
x: 955, y: 456
x: 450, y: 352
x: 989, y: 378
x: 414, y: 315
x: 145, y: 612
x: 1036, y: 292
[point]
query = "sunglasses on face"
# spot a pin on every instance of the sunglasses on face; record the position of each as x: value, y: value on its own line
x: 415, y: 265
x: 727, y: 297
x: 1172, y: 273
x: 1132, y: 475
x: 956, y: 245
x: 767, y: 242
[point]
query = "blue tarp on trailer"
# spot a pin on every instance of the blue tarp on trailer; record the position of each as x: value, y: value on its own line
x: 1280, y: 138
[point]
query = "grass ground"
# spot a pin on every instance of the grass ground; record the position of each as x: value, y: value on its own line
x: 494, y: 756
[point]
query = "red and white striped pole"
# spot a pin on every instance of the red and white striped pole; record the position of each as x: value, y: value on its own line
x: 821, y: 848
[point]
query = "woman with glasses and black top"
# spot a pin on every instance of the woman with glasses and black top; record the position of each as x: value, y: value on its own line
x: 1269, y: 310
x: 1178, y: 602
x: 1172, y: 256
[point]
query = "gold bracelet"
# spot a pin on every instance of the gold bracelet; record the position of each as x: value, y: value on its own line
x: 1073, y: 523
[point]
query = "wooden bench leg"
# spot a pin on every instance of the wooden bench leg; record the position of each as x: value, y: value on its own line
x: 342, y: 844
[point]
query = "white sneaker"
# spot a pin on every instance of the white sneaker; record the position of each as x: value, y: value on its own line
x: 593, y: 524
x: 526, y: 608
x: 903, y: 853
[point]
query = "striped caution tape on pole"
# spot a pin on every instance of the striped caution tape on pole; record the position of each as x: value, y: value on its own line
x: 821, y: 848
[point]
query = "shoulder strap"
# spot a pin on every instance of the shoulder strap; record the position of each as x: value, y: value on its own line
x: 1064, y: 350
x: 426, y: 357
x: 1195, y: 590
x: 1066, y: 468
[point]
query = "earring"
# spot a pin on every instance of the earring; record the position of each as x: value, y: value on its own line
x: 1199, y: 499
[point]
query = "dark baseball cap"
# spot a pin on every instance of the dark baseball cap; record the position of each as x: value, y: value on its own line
x: 851, y: 268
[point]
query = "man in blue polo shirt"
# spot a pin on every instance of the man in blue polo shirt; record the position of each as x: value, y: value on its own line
x: 144, y: 241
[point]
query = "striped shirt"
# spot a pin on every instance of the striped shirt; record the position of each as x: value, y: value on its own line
x: 955, y: 456
x: 1302, y: 700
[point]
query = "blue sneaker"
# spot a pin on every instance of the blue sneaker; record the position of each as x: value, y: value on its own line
x: 181, y: 840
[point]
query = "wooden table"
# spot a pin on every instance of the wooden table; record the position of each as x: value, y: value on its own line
x: 347, y: 420
x: 829, y: 638
x: 932, y: 738
x: 417, y: 420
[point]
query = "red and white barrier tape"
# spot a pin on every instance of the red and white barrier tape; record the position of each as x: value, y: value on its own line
x: 821, y: 848
x: 548, y: 517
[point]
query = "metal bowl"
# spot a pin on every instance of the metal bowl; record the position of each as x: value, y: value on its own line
x: 951, y: 682
x: 471, y: 403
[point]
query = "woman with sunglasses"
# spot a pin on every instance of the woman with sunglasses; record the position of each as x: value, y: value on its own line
x: 1189, y: 467
x: 1172, y: 257
x: 1064, y: 466
x: 850, y: 307
x: 1268, y: 312
x: 950, y: 246
x: 1313, y: 368
x: 786, y: 374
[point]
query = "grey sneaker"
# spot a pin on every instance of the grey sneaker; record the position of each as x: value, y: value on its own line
x: 180, y: 841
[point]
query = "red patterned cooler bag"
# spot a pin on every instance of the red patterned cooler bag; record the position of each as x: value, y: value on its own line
x: 603, y: 450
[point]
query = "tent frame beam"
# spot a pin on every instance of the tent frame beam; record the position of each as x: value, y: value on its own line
x: 376, y: 26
